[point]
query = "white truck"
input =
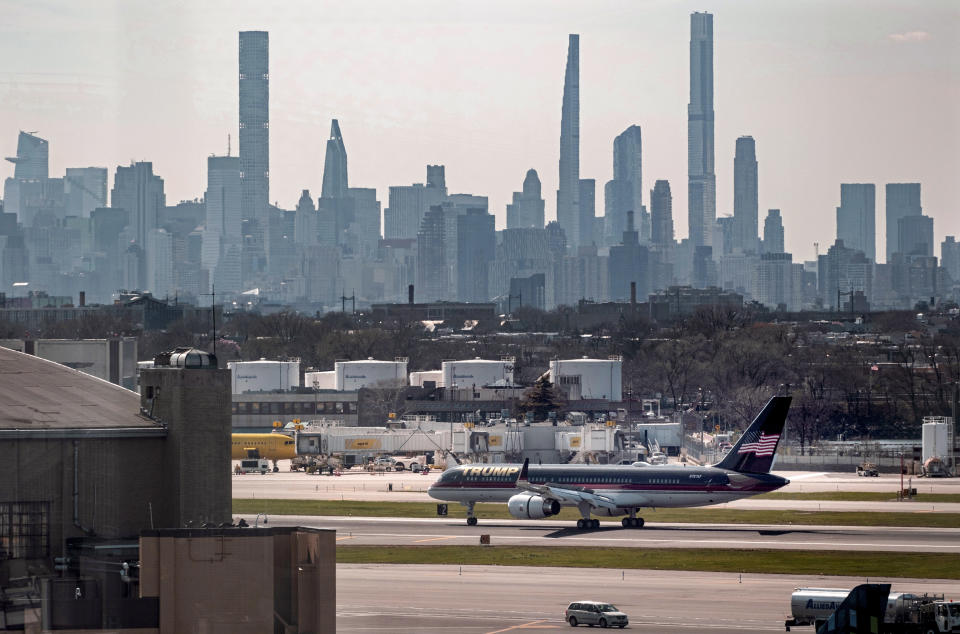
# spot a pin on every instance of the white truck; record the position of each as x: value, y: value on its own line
x: 254, y: 465
x: 906, y: 613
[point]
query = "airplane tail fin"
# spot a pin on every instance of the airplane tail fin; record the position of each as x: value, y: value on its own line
x: 451, y: 460
x: 755, y: 451
x: 522, y: 477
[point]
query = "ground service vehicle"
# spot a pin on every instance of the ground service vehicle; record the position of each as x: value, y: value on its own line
x: 867, y: 469
x: 255, y: 465
x: 594, y: 613
x: 401, y: 463
x: 906, y: 613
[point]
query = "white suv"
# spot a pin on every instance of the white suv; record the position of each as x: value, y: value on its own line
x: 594, y: 613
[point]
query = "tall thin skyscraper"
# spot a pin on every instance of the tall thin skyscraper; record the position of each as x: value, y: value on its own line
x: 625, y: 192
x: 702, y: 181
x: 568, y: 193
x: 745, y: 202
x: 335, y: 165
x: 661, y: 213
x: 255, y: 146
x: 903, y: 199
x: 856, y: 224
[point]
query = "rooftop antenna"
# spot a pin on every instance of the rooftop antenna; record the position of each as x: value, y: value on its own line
x: 228, y: 144
x: 816, y: 249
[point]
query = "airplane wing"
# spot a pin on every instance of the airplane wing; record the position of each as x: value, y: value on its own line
x: 565, y: 495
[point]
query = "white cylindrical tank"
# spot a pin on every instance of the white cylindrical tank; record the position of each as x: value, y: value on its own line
x: 320, y: 380
x: 589, y: 378
x: 417, y: 378
x: 353, y: 375
x: 264, y: 376
x: 934, y: 440
x: 476, y: 373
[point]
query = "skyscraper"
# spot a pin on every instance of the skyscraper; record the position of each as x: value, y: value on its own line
x: 588, y: 209
x: 702, y: 181
x: 84, y: 189
x: 773, y: 241
x: 745, y: 202
x: 140, y: 192
x: 568, y: 193
x: 915, y: 234
x: 856, y: 225
x: 255, y: 147
x: 223, y: 233
x: 526, y: 210
x: 335, y: 165
x: 661, y: 213
x: 625, y: 192
x: 903, y: 199
x: 33, y: 157
x: 476, y: 248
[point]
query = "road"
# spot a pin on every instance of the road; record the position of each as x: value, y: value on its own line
x: 495, y: 599
x: 381, y: 531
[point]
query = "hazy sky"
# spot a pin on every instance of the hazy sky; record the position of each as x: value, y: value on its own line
x: 859, y: 91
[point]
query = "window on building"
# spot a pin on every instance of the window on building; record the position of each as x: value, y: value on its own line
x: 24, y: 530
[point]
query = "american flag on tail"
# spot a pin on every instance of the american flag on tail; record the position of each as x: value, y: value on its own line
x: 763, y: 446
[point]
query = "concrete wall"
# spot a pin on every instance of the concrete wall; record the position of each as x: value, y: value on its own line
x: 241, y: 580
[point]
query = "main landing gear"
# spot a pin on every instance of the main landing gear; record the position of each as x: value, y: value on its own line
x: 632, y: 522
x: 588, y: 523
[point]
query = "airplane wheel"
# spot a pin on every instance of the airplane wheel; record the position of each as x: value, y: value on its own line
x: 639, y: 522
x: 595, y: 524
x: 627, y: 522
x: 471, y: 521
x: 579, y: 523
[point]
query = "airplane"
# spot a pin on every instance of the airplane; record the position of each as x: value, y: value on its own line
x: 272, y: 446
x: 539, y: 491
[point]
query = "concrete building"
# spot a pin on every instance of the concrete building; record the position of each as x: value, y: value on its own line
x: 856, y: 226
x: 568, y: 192
x: 254, y: 97
x: 33, y: 157
x: 950, y: 257
x: 113, y: 360
x: 433, y: 274
x: 902, y: 200
x: 223, y: 234
x: 915, y: 235
x: 745, y: 201
x: 257, y: 411
x: 629, y: 266
x: 86, y: 463
x: 526, y: 210
x: 701, y: 179
x: 775, y: 284
x: 661, y: 213
x: 408, y: 204
x: 476, y: 248
x: 588, y: 378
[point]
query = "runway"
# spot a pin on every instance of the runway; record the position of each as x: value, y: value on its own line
x: 496, y: 599
x: 374, y: 531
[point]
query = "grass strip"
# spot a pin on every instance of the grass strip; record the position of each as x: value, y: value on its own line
x: 846, y: 563
x: 684, y: 516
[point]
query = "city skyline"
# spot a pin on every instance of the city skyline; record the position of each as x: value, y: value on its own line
x: 467, y: 129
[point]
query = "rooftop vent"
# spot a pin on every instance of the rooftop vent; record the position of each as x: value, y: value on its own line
x: 186, y: 357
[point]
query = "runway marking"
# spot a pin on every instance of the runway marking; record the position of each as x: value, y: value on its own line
x: 346, y: 537
x: 433, y: 539
x: 522, y: 626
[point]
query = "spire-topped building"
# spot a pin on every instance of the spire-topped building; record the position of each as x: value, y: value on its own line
x: 701, y: 179
x: 568, y: 193
x: 335, y: 165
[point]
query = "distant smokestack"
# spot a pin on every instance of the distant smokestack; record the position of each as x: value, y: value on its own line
x: 633, y: 293
x: 83, y: 298
x: 410, y: 294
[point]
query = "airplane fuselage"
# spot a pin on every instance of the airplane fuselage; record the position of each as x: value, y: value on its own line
x: 629, y: 486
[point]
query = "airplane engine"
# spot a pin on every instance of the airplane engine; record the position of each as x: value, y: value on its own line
x: 534, y: 507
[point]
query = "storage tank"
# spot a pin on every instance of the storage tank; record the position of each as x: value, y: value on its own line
x: 476, y: 373
x: 320, y: 380
x: 589, y: 378
x: 935, y: 437
x: 264, y: 376
x: 417, y: 379
x: 814, y: 605
x: 353, y: 375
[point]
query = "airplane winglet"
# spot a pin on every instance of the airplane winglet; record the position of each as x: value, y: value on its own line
x: 523, y: 471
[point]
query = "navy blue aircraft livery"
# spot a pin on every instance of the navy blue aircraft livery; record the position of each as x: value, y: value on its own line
x: 539, y: 491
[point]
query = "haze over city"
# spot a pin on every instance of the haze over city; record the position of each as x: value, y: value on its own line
x: 832, y: 93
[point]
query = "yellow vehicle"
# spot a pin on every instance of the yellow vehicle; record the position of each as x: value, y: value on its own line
x: 273, y: 446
